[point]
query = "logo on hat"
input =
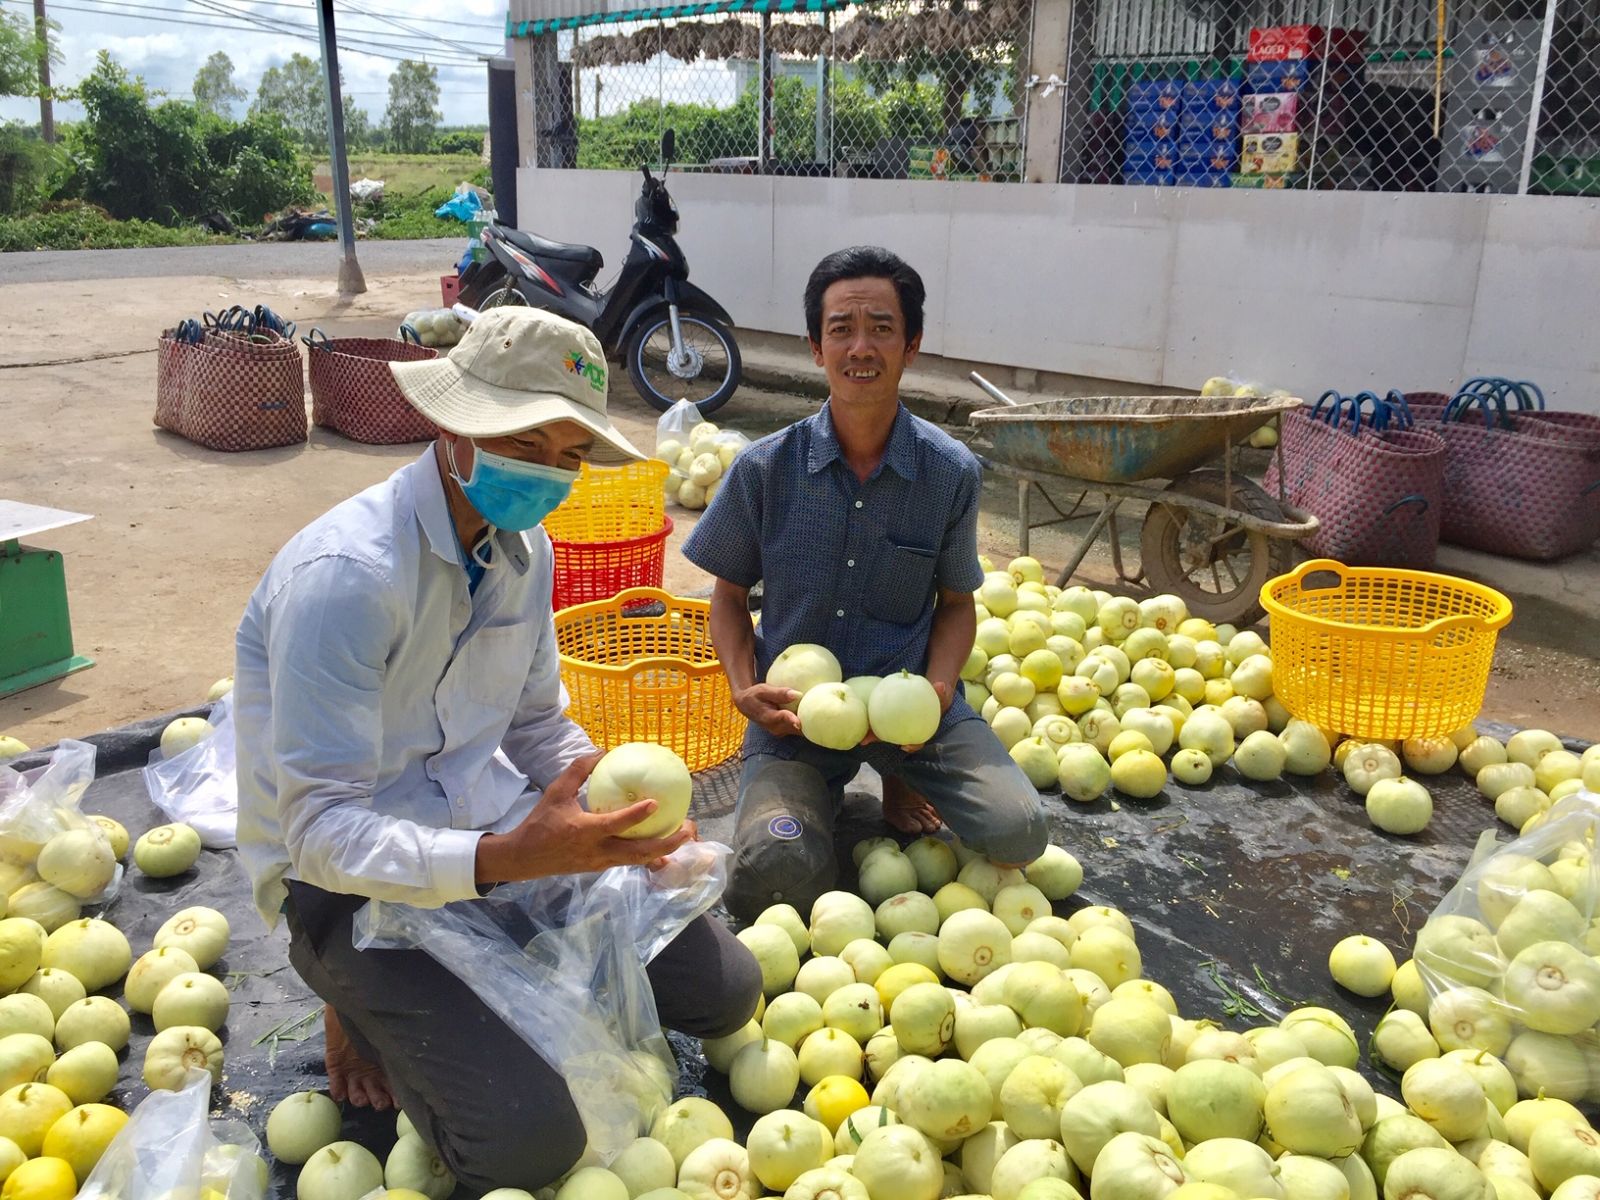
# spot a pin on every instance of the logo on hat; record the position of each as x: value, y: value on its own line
x: 784, y: 828
x: 593, y: 372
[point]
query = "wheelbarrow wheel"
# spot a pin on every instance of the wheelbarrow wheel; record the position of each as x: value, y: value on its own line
x: 1215, y: 566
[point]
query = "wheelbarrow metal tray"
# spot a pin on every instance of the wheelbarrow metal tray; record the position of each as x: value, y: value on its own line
x: 1121, y: 439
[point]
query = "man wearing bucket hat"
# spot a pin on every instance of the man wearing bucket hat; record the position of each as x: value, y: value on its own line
x: 861, y: 524
x: 402, y: 736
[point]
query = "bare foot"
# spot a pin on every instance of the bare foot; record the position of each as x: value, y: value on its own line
x: 906, y: 811
x: 351, y: 1077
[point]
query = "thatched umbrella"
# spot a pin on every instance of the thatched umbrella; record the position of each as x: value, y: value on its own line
x: 853, y: 38
x: 685, y: 41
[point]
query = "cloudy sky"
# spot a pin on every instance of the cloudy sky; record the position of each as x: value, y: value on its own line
x: 166, y: 41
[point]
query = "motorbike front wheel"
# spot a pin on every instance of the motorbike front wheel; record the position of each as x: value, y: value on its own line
x: 706, y: 373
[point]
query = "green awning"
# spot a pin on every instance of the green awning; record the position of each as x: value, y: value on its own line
x: 707, y: 8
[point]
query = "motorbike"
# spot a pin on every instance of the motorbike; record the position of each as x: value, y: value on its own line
x: 674, y: 339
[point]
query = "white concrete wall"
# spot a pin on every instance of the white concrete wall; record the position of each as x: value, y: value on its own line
x: 1157, y: 286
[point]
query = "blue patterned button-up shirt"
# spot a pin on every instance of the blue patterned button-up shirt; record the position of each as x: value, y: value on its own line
x: 853, y: 566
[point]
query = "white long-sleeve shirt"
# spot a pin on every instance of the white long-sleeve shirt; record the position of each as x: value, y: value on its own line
x: 386, y: 717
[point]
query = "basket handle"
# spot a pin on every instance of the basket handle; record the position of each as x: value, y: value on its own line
x: 1315, y: 566
x: 408, y: 333
x: 1527, y: 385
x: 317, y: 340
x: 1413, y: 498
x: 1397, y: 399
x: 1330, y: 394
x: 640, y: 594
x: 1480, y: 398
x: 1377, y: 421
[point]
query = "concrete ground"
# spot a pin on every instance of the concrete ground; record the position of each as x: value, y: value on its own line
x: 181, y: 534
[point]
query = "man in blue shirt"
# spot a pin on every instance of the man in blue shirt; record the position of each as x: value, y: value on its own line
x: 861, y: 524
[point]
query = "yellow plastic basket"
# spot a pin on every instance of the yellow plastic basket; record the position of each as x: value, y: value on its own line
x: 1379, y: 653
x: 640, y: 667
x: 612, y: 504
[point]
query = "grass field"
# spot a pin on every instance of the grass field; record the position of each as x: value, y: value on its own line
x: 403, y: 174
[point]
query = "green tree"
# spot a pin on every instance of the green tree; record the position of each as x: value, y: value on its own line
x: 294, y: 94
x: 358, y: 131
x: 214, y: 88
x: 19, y: 56
x: 175, y: 162
x: 413, y: 106
x: 24, y: 159
x: 974, y: 73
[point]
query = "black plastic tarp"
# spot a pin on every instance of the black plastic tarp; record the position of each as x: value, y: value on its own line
x: 1238, y: 891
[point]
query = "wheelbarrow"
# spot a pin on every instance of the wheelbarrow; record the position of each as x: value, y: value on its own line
x: 1210, y: 536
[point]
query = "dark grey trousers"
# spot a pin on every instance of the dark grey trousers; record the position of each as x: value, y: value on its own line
x: 491, y: 1108
x: 783, y: 827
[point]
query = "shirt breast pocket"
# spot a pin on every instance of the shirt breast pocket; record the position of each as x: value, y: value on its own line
x: 902, y: 584
x: 498, y: 661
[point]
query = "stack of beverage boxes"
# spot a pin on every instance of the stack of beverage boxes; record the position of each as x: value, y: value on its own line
x: 1302, y: 92
x: 1181, y: 132
x: 1293, y: 109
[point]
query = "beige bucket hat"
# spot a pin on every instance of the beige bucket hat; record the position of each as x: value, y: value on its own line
x: 517, y: 369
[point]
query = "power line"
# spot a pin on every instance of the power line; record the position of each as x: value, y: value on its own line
x: 383, y: 13
x: 268, y: 23
x: 246, y: 14
x: 414, y: 29
x: 445, y: 62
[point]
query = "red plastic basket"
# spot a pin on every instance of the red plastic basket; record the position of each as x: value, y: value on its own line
x: 587, y: 571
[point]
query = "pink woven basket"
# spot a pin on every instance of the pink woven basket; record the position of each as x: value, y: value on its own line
x: 1379, y: 494
x: 1523, y: 483
x: 230, y: 390
x: 353, y: 392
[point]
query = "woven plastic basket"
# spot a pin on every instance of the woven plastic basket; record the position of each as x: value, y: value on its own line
x: 640, y: 668
x: 586, y: 571
x: 1379, y: 653
x: 354, y: 392
x: 610, y: 504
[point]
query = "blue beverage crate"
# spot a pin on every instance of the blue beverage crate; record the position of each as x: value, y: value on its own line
x: 1146, y: 94
x: 1148, y: 176
x: 1205, y: 179
x: 1220, y: 157
x: 1154, y: 155
x: 1212, y: 125
x: 1152, y: 124
x: 1305, y: 74
x: 1220, y: 95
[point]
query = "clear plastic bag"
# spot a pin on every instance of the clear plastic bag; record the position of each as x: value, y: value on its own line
x: 562, y: 962
x: 674, y: 425
x: 170, y: 1148
x: 1506, y: 956
x: 199, y: 786
x: 37, y: 804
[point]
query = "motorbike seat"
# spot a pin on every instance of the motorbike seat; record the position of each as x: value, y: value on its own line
x: 531, y: 243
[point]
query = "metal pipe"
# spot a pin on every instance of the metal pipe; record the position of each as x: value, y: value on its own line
x: 351, y: 280
x: 1536, y: 106
x: 764, y: 134
x: 992, y: 390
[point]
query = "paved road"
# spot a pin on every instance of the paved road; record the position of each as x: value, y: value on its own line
x: 256, y: 260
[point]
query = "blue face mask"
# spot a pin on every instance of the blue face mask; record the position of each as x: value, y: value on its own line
x: 510, y: 494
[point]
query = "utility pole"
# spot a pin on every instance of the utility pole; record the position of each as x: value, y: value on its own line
x: 47, y: 116
x: 351, y: 280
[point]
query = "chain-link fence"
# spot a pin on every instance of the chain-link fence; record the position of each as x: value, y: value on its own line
x: 903, y: 89
x: 1397, y: 95
x: 1381, y: 95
